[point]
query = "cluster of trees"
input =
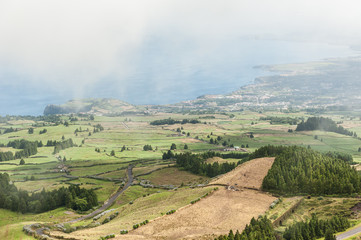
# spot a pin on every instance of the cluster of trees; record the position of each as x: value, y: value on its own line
x: 51, y: 143
x: 6, y: 156
x: 211, y: 154
x: 173, y: 146
x: 280, y: 120
x: 267, y: 151
x: 62, y: 145
x: 324, y: 124
x: 53, y: 118
x: 198, y: 165
x: 9, y: 130
x: 257, y: 229
x: 300, y: 170
x: 346, y: 157
x: 235, y: 155
x: 43, y: 131
x: 21, y: 201
x: 98, y: 128
x: 171, y: 121
x: 80, y: 130
x: 147, y: 147
x: 168, y: 155
x: 315, y: 228
x: 311, y: 230
x: 28, y: 149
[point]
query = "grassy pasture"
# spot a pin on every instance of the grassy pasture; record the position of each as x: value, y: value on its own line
x: 134, y: 134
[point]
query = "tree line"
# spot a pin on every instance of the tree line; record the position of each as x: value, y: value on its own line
x: 324, y: 124
x: 28, y: 148
x: 299, y: 170
x: 171, y: 121
x: 21, y: 201
x: 280, y: 120
x: 197, y: 164
x: 63, y: 145
x: 258, y: 229
x: 316, y: 228
x: 210, y: 154
x: 310, y: 230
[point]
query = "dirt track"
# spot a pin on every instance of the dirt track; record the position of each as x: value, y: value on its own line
x: 218, y: 213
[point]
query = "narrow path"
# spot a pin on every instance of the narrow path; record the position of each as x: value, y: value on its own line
x: 111, y: 200
x: 349, y: 233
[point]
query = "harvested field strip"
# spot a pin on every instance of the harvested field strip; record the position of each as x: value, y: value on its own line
x: 249, y: 174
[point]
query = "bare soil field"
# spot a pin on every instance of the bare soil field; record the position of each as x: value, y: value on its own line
x: 215, y: 159
x: 190, y: 140
x: 218, y: 213
x: 249, y: 174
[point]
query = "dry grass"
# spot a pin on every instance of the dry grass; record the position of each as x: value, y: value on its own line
x: 249, y: 174
x: 214, y: 215
x: 215, y: 159
x: 190, y: 140
x: 173, y: 176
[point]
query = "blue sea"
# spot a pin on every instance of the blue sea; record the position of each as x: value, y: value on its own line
x: 169, y: 73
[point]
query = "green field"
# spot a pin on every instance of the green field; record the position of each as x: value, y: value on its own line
x: 106, y: 173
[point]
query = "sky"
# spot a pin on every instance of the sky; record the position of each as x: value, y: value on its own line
x: 52, y: 50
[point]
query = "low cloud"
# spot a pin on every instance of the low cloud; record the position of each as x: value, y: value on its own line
x: 72, y: 47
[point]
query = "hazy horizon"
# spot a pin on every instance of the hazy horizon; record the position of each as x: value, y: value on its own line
x: 156, y: 52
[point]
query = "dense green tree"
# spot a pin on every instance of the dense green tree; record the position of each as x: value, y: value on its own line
x: 22, y: 162
x: 43, y: 131
x: 147, y: 147
x: 18, y: 200
x: 260, y: 229
x: 197, y: 164
x: 323, y: 124
x: 168, y: 155
x: 299, y: 170
x: 316, y: 228
x: 329, y: 235
x: 61, y: 145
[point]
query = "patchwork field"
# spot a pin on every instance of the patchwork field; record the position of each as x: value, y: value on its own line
x: 99, y: 161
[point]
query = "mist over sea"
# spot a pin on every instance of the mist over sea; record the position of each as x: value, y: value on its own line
x: 165, y: 72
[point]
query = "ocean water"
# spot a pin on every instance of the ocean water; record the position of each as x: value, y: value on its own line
x: 164, y: 73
